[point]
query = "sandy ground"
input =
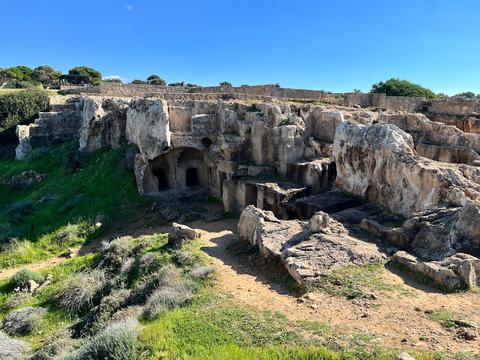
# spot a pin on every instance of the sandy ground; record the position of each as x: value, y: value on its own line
x: 394, y: 319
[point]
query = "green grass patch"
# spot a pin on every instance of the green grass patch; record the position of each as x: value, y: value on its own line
x: 49, y: 217
x: 199, y: 329
x: 355, y: 281
x: 443, y: 317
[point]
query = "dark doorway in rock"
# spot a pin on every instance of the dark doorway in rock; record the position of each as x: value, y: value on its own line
x: 191, y: 177
x: 251, y: 193
x: 206, y: 142
x: 162, y: 178
x: 222, y: 177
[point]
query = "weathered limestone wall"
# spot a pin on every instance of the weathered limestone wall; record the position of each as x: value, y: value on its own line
x: 60, y: 125
x: 382, y: 101
x: 413, y: 104
x: 260, y: 90
x: 452, y: 107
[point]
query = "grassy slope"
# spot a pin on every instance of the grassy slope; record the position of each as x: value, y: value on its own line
x: 45, y: 228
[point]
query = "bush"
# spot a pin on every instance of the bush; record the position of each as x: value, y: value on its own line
x: 54, y: 345
x: 146, y: 262
x: 168, y: 276
x: 22, y: 278
x: 118, y: 341
x: 466, y: 96
x: 167, y: 298
x: 183, y: 258
x: 81, y: 291
x: 155, y: 80
x: 21, y: 107
x: 6, y: 232
x: 101, y: 316
x: 397, y: 87
x: 72, y: 159
x: 113, y: 302
x: 201, y: 272
x: 69, y: 234
x: 12, y: 348
x: 116, y: 252
x: 23, y: 321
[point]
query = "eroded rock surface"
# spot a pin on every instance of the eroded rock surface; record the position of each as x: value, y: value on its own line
x: 308, y: 250
x: 26, y: 179
x: 453, y: 272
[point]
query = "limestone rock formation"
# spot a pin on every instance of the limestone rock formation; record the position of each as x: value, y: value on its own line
x: 26, y: 179
x: 103, y: 123
x: 436, y: 140
x: 181, y: 234
x: 308, y: 250
x: 148, y: 127
x: 379, y: 163
x: 454, y: 272
x: 60, y: 124
x: 319, y: 185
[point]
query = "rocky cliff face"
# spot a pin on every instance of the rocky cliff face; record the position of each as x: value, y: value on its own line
x: 103, y: 123
x: 379, y: 163
x: 315, y: 182
x: 148, y: 127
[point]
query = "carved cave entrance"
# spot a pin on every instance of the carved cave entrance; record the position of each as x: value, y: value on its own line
x: 161, y: 171
x: 192, y: 167
x: 191, y: 177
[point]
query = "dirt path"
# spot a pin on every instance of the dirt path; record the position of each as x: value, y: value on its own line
x: 53, y: 261
x: 393, y: 319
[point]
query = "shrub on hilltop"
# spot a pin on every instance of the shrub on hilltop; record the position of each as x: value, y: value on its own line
x: 397, y: 87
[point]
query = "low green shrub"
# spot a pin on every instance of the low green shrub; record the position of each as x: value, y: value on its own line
x: 81, y: 291
x: 72, y: 159
x: 201, y: 272
x: 56, y: 344
x: 397, y: 87
x: 183, y: 258
x: 167, y: 298
x: 69, y: 234
x: 70, y: 204
x: 20, y: 280
x: 168, y: 276
x: 118, y: 341
x: 12, y: 348
x: 116, y: 252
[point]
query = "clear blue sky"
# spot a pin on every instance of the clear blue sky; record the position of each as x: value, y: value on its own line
x: 336, y: 45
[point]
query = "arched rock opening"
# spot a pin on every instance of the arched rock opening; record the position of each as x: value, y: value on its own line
x: 192, y: 170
